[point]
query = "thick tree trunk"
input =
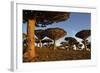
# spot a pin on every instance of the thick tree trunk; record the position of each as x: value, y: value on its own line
x: 54, y: 44
x: 30, y: 53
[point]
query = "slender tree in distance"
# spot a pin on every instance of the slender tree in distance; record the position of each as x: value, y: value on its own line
x: 39, y: 19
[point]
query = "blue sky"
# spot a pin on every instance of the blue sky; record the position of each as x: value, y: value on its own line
x: 76, y: 22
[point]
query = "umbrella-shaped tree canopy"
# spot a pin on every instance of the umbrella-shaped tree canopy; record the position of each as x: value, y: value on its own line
x: 55, y: 33
x: 84, y: 34
x: 45, y: 17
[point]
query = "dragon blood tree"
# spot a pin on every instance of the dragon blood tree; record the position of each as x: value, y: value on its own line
x: 55, y: 34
